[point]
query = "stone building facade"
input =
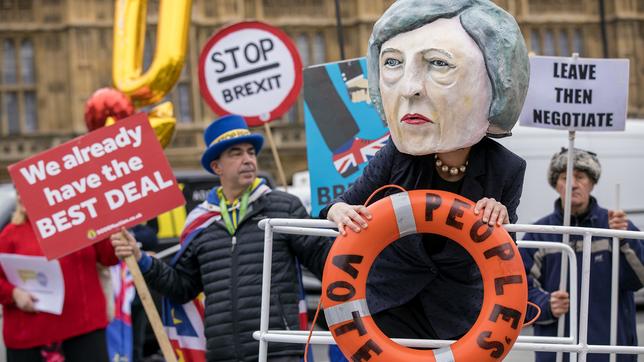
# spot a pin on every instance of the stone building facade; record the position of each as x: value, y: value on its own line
x: 55, y: 53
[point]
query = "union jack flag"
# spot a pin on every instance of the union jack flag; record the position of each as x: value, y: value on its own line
x: 184, y: 322
x: 184, y: 325
x: 350, y: 157
x: 119, y: 331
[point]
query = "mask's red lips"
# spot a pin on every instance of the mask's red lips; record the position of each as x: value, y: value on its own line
x: 415, y: 118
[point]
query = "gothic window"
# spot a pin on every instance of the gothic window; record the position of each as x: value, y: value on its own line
x: 312, y: 48
x: 16, y: 10
x: 319, y: 49
x: 182, y: 97
x: 564, y: 49
x: 10, y: 105
x: 84, y: 51
x: 548, y: 43
x: 578, y: 42
x: 302, y: 43
x: 535, y: 44
x: 31, y: 119
x: 18, y: 101
x: 293, y: 114
x: 27, y: 61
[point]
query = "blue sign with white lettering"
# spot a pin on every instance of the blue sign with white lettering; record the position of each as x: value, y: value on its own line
x: 343, y: 129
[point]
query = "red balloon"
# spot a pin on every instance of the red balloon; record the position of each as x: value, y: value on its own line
x: 106, y: 102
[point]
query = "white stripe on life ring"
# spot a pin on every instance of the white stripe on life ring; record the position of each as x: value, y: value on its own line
x: 342, y: 312
x: 444, y: 355
x: 404, y: 213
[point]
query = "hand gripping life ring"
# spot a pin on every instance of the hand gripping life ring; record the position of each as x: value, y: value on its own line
x: 425, y: 211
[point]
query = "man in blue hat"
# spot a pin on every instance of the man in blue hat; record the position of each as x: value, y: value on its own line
x: 222, y: 251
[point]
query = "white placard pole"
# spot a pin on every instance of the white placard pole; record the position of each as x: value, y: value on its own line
x: 563, y: 280
x: 614, y: 286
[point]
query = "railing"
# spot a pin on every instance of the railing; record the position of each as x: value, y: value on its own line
x: 575, y: 343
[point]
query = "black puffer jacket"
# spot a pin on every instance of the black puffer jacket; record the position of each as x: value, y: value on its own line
x: 231, y: 279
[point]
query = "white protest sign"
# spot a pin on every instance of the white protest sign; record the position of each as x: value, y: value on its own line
x: 580, y: 94
x: 251, y: 69
x: 42, y: 278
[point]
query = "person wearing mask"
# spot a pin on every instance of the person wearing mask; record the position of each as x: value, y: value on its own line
x: 447, y: 77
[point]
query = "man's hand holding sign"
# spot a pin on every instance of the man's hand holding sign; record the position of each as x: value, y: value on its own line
x: 125, y: 245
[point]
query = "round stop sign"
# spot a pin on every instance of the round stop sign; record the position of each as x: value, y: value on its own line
x: 251, y: 69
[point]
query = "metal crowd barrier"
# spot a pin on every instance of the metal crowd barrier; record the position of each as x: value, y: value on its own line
x: 575, y: 343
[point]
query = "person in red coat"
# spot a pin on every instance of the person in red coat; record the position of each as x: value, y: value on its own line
x: 78, y: 334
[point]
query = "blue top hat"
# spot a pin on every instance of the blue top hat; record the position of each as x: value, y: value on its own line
x: 225, y: 132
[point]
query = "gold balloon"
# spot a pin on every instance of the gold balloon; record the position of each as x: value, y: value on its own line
x: 129, y: 39
x: 162, y: 121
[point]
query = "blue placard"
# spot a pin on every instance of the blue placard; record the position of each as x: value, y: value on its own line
x: 343, y: 129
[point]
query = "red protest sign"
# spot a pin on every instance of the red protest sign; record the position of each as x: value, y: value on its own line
x: 88, y: 188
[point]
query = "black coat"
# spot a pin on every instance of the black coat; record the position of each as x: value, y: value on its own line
x: 448, y: 280
x: 232, y: 279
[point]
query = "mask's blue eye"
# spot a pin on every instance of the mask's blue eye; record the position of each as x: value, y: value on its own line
x: 439, y: 63
x: 391, y: 62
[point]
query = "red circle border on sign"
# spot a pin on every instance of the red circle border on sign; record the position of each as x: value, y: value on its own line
x: 253, y: 121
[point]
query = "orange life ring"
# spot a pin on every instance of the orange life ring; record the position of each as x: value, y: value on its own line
x: 425, y: 211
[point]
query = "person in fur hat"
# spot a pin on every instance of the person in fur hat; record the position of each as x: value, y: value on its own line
x: 543, y: 266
